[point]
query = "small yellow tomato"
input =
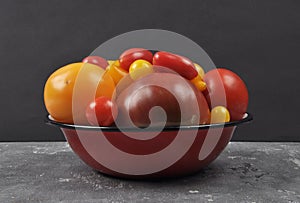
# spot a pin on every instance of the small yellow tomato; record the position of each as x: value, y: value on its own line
x: 110, y: 62
x: 199, y: 70
x: 219, y: 114
x: 199, y: 83
x: 140, y: 68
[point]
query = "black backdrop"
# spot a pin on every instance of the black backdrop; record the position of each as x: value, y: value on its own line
x: 258, y: 39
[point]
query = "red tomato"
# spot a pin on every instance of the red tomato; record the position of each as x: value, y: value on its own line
x: 220, y: 81
x: 102, y: 111
x: 179, y: 99
x: 182, y: 65
x: 130, y: 55
x: 96, y: 60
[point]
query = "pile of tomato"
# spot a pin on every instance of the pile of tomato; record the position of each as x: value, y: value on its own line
x: 220, y: 95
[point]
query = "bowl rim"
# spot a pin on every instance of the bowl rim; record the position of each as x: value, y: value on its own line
x: 49, y: 120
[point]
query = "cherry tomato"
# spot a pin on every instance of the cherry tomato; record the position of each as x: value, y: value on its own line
x: 171, y: 92
x: 199, y: 83
x: 96, y: 60
x: 131, y: 55
x: 116, y: 72
x: 110, y: 62
x: 101, y: 112
x: 58, y: 91
x: 219, y: 114
x: 220, y: 81
x: 140, y: 68
x: 199, y: 70
x: 182, y: 65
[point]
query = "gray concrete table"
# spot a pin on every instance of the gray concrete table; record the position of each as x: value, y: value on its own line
x: 245, y: 172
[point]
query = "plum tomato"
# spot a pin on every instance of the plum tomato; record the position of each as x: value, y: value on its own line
x: 222, y: 83
x: 219, y: 114
x: 101, y: 112
x: 140, y: 68
x: 59, y: 90
x: 96, y: 60
x: 180, y: 64
x: 176, y: 96
x: 131, y: 55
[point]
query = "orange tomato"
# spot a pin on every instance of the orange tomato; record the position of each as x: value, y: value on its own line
x: 116, y: 72
x: 71, y: 88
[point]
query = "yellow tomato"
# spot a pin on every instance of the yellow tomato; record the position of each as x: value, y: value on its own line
x: 115, y: 72
x: 110, y: 62
x: 140, y: 68
x: 199, y: 70
x: 220, y: 114
x: 67, y: 91
x: 199, y: 83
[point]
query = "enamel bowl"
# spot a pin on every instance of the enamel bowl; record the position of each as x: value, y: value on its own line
x: 139, y: 154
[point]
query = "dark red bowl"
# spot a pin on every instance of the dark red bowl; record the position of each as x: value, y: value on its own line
x: 174, y: 151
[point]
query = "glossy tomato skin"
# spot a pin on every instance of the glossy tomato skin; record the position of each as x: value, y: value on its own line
x: 140, y: 68
x: 96, y: 60
x: 116, y: 72
x: 220, y: 81
x: 178, y: 98
x: 131, y: 55
x: 219, y: 114
x: 59, y: 91
x: 180, y: 64
x: 102, y: 111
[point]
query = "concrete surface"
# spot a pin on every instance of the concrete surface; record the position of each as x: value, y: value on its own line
x: 245, y: 172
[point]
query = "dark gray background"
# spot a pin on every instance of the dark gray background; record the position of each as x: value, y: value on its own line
x: 257, y: 39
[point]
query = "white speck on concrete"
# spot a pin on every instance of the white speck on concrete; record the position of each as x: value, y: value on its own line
x: 89, y: 180
x: 63, y: 180
x: 233, y: 157
x: 293, y: 152
x: 51, y: 150
x: 287, y: 195
x: 295, y: 161
x: 120, y: 185
x: 268, y: 150
x: 290, y: 192
x: 97, y: 187
x: 41, y: 175
x: 193, y: 191
x: 241, y: 157
x: 209, y: 197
